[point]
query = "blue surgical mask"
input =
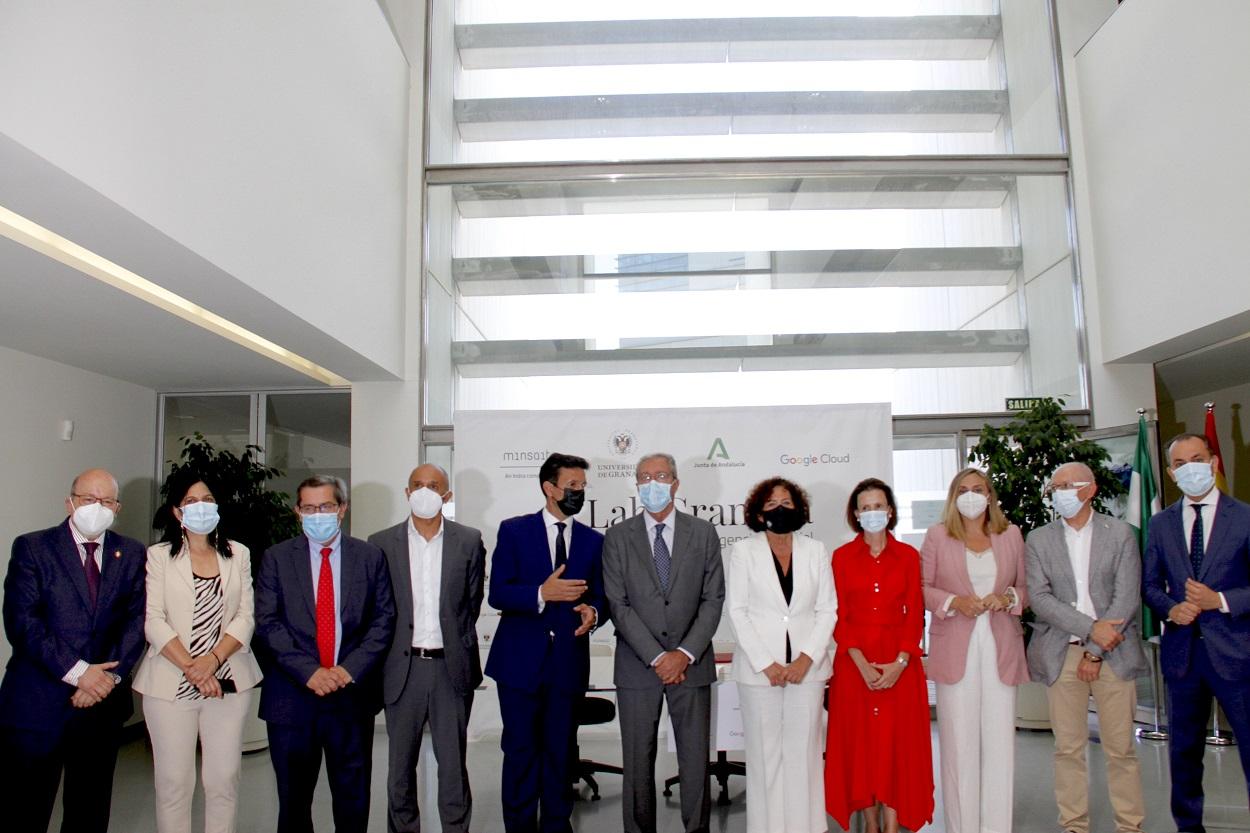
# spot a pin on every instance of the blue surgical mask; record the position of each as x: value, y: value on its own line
x: 1066, y: 503
x: 655, y: 495
x: 200, y: 518
x: 1195, y: 479
x: 320, y: 527
x: 874, y: 520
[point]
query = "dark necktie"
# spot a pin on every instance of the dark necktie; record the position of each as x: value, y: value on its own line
x: 663, y: 559
x: 562, y: 556
x: 1196, y: 543
x: 325, y: 610
x: 92, y: 570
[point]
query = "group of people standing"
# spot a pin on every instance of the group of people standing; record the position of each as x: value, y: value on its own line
x: 339, y: 628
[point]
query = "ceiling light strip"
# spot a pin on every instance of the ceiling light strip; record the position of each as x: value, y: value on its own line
x: 48, y: 243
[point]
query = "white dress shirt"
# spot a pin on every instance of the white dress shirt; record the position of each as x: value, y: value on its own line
x: 1078, y: 542
x: 1208, y: 521
x: 425, y: 568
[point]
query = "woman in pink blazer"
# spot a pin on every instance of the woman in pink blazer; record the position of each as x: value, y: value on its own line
x: 972, y: 567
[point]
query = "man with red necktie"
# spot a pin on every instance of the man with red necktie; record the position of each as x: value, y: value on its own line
x: 324, y: 620
x: 73, y: 611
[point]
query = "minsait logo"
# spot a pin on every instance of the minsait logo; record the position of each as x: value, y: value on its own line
x: 718, y: 450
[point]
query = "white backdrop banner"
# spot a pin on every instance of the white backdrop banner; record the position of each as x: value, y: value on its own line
x: 721, y: 453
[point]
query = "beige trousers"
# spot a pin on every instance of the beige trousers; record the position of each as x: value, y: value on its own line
x: 175, y: 726
x: 1116, y: 701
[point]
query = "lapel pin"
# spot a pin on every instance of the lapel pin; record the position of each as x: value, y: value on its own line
x: 117, y: 553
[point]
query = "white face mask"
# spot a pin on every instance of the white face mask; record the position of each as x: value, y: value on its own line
x: 874, y: 520
x: 425, y: 502
x: 1066, y: 503
x: 971, y: 505
x: 93, y: 519
x: 200, y: 518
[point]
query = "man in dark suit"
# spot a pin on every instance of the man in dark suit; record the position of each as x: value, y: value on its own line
x: 73, y: 611
x: 324, y: 616
x: 547, y: 581
x: 432, y: 665
x: 665, y: 586
x: 1197, y: 576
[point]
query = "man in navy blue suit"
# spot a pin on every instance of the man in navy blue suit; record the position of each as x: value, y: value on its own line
x: 546, y: 579
x: 1196, y: 575
x: 324, y: 616
x: 73, y: 611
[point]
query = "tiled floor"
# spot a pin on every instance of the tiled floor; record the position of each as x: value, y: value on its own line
x: 1034, y: 802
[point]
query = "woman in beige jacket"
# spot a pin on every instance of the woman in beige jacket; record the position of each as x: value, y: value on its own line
x: 198, y: 674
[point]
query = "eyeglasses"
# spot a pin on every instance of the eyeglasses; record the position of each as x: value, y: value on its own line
x: 191, y: 500
x: 1054, y: 487
x: 662, y: 477
x: 323, y: 508
x: 88, y: 500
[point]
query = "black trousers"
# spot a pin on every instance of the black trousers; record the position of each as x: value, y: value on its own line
x: 84, y: 750
x: 345, y: 738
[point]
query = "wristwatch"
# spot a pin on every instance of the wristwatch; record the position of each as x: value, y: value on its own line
x: 902, y: 660
x: 117, y: 678
x: 1091, y: 658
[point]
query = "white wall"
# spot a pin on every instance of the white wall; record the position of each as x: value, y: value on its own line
x: 1165, y: 112
x: 269, y: 138
x: 114, y: 428
x: 1117, y: 390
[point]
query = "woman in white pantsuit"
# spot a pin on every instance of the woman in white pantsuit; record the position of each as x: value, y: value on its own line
x: 198, y: 675
x: 972, y: 567
x: 781, y: 602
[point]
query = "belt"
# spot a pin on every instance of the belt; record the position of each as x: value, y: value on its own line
x: 427, y: 653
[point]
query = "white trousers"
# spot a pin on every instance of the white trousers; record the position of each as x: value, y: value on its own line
x: 174, y: 726
x: 976, y: 720
x: 785, y: 740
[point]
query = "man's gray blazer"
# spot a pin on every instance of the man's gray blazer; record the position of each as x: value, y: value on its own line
x: 1114, y: 587
x: 459, y: 603
x: 649, y: 622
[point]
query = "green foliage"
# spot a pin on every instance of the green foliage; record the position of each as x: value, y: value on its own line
x: 251, y: 514
x: 1021, y: 456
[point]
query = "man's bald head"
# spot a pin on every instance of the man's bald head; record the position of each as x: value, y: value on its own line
x: 96, y: 483
x: 1073, y: 472
x: 429, y: 476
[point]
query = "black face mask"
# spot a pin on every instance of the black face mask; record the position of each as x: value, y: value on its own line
x: 572, y: 501
x: 783, y: 519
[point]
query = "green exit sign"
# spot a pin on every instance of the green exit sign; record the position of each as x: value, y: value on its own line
x: 1023, y: 403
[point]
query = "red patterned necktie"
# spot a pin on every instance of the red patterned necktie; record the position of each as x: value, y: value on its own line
x: 325, y: 610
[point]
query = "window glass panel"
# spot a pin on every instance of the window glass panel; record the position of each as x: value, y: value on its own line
x: 553, y: 81
x: 307, y: 434
x: 932, y: 292
x: 225, y: 421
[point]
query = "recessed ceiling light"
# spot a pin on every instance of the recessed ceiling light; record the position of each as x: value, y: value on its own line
x: 34, y: 236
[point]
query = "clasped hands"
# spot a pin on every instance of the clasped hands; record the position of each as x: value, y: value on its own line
x: 781, y: 675
x: 1198, y: 597
x: 974, y: 606
x: 328, y: 680
x: 556, y: 589
x: 94, y: 685
x: 878, y: 676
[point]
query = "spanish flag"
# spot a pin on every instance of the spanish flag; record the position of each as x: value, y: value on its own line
x: 1221, y: 482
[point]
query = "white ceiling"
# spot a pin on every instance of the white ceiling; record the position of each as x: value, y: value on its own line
x: 53, y: 311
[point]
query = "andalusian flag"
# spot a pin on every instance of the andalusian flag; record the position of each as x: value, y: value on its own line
x: 1221, y: 482
x: 1143, y: 501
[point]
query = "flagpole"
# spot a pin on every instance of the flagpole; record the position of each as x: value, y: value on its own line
x: 1157, y: 733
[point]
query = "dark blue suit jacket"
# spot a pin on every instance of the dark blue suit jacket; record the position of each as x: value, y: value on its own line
x: 50, y: 623
x: 1225, y: 568
x: 286, y: 627
x: 520, y: 564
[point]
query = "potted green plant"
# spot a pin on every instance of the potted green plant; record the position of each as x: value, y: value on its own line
x: 1020, y: 457
x: 251, y: 514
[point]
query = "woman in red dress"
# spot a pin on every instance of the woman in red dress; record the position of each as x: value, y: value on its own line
x: 878, y: 757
